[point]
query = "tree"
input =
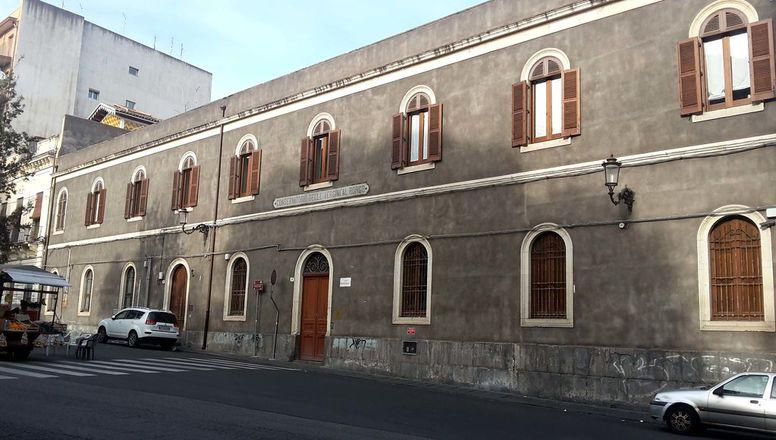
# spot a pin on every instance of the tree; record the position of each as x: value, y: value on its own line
x: 15, y: 153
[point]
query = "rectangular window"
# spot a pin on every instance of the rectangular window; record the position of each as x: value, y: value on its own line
x: 419, y: 137
x: 129, y: 104
x: 94, y: 94
x: 245, y: 175
x: 135, y: 207
x: 739, y: 64
x: 133, y: 71
x: 320, y: 156
x: 556, y: 106
x: 727, y: 70
x: 540, y: 110
x: 548, y: 109
x: 715, y: 71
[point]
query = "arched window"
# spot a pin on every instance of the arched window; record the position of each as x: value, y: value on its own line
x: 546, y: 103
x: 412, y: 281
x: 59, y: 222
x: 417, y: 130
x: 95, y: 204
x: 185, y: 183
x: 320, y: 152
x: 546, y: 278
x: 736, y: 278
x: 137, y: 194
x: 87, y: 287
x: 236, y: 288
x: 728, y: 60
x: 245, y: 169
x: 128, y: 287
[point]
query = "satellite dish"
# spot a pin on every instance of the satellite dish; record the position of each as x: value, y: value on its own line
x: 274, y: 277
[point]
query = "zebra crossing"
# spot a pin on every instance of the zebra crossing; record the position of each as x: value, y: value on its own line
x: 124, y: 367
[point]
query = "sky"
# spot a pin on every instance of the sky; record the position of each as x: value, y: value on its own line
x: 246, y: 42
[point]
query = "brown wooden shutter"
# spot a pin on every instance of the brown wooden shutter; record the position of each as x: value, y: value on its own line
x: 38, y: 206
x: 571, y: 103
x: 255, y: 172
x: 193, y: 187
x: 101, y: 206
x: 128, y: 202
x: 232, y: 171
x: 305, y: 168
x: 435, y: 133
x: 761, y: 59
x: 689, y: 66
x: 519, y: 114
x: 89, y: 209
x: 176, y: 191
x: 399, y: 145
x: 334, y: 150
x: 141, y: 205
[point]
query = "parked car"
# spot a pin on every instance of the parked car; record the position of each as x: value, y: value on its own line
x: 139, y: 325
x: 744, y: 401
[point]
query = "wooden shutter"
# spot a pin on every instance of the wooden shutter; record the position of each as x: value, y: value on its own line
x: 761, y: 59
x: 255, y: 172
x: 332, y: 172
x: 435, y: 133
x: 38, y: 206
x: 689, y: 66
x: 232, y: 172
x: 305, y: 162
x: 399, y: 145
x: 519, y: 114
x: 101, y: 206
x: 193, y: 187
x: 176, y: 190
x: 571, y: 103
x: 89, y: 209
x: 128, y: 202
x: 141, y: 205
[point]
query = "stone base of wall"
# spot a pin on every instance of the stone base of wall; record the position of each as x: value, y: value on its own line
x: 245, y: 344
x: 588, y: 374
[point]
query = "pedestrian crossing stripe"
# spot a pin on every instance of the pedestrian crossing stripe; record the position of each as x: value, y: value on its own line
x: 144, y: 365
x: 123, y: 367
x: 174, y: 361
x: 245, y: 364
x: 24, y: 373
x: 173, y: 364
x: 89, y: 370
x: 52, y: 370
x: 106, y: 366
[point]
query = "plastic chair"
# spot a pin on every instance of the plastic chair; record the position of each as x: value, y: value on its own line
x: 86, y: 344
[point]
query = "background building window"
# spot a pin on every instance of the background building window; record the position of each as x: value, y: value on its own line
x: 548, y: 277
x: 320, y: 154
x: 414, y: 287
x: 239, y: 280
x: 87, y: 287
x: 94, y: 94
x: 417, y: 132
x: 129, y: 288
x: 137, y: 195
x: 129, y: 104
x: 59, y: 223
x: 95, y: 204
x: 735, y: 269
x: 134, y: 71
x: 245, y: 170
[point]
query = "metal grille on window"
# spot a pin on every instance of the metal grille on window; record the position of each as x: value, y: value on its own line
x: 414, y: 283
x: 129, y: 288
x: 548, y: 277
x: 316, y: 263
x: 736, y: 271
x: 237, y: 299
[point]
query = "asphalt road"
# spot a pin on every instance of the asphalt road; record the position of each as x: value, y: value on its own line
x: 132, y: 394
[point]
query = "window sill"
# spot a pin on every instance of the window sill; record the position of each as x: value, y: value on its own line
x: 84, y: 313
x: 411, y: 321
x: 738, y: 326
x: 243, y: 199
x: 416, y: 168
x: 319, y: 185
x: 546, y: 144
x: 134, y: 219
x: 93, y: 226
x: 48, y: 313
x: 186, y: 209
x: 58, y: 232
x: 559, y: 323
x: 727, y: 112
x: 234, y: 318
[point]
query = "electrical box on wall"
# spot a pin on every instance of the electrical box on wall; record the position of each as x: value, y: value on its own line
x: 770, y: 212
x: 409, y: 348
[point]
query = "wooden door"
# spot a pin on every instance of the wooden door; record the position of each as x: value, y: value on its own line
x: 315, y: 317
x: 178, y: 294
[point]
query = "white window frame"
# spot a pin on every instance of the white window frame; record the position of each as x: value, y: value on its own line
x: 318, y: 118
x: 247, y: 137
x: 188, y: 154
x: 397, y: 282
x: 81, y: 292
x: 123, y: 287
x: 228, y: 287
x: 768, y: 324
x: 525, y: 279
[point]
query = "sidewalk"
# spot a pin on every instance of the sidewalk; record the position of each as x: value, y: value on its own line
x: 622, y: 412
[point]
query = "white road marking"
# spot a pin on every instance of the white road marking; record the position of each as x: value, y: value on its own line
x: 144, y: 365
x: 82, y: 368
x: 24, y: 373
x: 245, y: 364
x: 7, y: 377
x: 185, y: 364
x: 53, y: 370
x: 171, y: 364
x: 122, y: 367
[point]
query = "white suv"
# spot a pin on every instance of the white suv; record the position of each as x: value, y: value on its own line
x: 140, y: 324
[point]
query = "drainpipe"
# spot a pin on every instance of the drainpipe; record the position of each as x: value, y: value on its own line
x: 149, y: 269
x: 213, y: 241
x: 50, y: 215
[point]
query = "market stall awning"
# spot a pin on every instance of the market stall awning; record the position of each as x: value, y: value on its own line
x: 30, y: 275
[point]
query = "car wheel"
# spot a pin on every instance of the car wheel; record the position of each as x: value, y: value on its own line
x: 102, y: 335
x: 132, y: 339
x: 682, y: 419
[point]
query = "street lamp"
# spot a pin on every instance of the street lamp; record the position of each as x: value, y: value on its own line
x: 183, y: 215
x: 611, y: 177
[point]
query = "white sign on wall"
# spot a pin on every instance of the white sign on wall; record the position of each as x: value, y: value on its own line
x: 345, y: 282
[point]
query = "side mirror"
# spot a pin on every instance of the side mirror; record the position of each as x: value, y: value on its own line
x: 719, y: 392
x: 113, y: 317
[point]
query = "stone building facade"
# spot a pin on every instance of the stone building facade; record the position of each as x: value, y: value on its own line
x: 433, y: 205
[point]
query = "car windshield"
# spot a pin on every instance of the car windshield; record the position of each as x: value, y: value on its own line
x: 163, y: 317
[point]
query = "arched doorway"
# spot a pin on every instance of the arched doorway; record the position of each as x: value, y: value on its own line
x: 315, y: 307
x: 179, y: 281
